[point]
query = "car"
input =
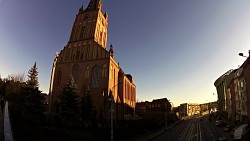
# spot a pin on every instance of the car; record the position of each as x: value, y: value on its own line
x: 228, y: 128
x: 240, y: 132
x: 232, y: 131
x: 217, y: 122
x: 222, y: 139
x: 220, y: 123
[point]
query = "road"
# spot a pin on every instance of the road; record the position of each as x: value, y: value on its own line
x: 194, y: 129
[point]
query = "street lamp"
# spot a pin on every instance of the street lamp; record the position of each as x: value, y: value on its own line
x: 112, y: 110
x: 241, y: 54
x: 166, y: 114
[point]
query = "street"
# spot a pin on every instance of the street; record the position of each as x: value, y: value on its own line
x: 195, y: 129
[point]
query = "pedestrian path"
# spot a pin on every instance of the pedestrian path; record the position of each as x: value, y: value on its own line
x: 1, y: 126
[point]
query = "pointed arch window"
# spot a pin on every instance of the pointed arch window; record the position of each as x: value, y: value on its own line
x: 111, y: 72
x: 87, y: 72
x: 75, y: 71
x: 95, y: 77
x: 105, y: 70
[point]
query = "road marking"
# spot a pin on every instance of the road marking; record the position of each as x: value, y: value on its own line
x: 200, y: 132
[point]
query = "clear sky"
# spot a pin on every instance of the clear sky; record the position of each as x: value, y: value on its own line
x: 172, y: 48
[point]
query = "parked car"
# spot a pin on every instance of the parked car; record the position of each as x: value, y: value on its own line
x: 240, y: 132
x: 217, y: 122
x: 220, y: 123
x: 222, y: 139
x: 228, y: 128
x: 232, y: 131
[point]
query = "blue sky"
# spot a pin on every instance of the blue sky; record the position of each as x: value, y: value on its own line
x: 173, y: 48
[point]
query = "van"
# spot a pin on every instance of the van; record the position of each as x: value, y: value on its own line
x: 240, y: 132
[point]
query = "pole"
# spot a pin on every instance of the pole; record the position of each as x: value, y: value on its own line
x: 112, y: 110
x: 166, y: 123
x: 111, y: 118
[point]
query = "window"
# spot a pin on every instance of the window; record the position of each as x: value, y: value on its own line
x: 75, y: 72
x: 95, y: 77
x: 111, y: 72
x: 104, y: 70
x: 100, y: 37
x: 87, y: 72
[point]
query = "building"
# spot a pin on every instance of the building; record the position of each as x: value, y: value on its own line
x: 224, y: 97
x: 93, y: 67
x: 242, y: 92
x: 207, y: 108
x: 233, y: 90
x: 189, y: 109
x: 156, y: 106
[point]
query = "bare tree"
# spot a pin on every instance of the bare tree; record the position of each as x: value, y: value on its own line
x: 17, y: 77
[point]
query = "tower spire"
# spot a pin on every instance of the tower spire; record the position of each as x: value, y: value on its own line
x: 94, y: 5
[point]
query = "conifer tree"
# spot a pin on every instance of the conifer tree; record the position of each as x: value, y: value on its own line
x: 33, y: 106
x: 33, y: 77
x: 69, y: 102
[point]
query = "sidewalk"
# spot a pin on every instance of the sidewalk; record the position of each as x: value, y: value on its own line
x: 153, y: 135
x: 1, y: 127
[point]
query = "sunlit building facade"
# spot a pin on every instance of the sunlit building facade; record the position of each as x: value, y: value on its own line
x: 93, y: 67
x: 224, y: 96
x: 189, y: 109
x: 240, y: 92
x: 233, y: 90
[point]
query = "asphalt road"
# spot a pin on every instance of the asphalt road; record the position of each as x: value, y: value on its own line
x: 194, y: 129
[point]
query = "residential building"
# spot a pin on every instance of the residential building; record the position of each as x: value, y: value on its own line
x: 224, y: 97
x: 157, y: 105
x: 240, y: 96
x: 189, y: 109
x: 208, y: 108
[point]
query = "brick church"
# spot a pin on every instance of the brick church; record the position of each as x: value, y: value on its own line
x: 92, y: 65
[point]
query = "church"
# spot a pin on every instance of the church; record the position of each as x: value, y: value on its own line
x: 92, y: 65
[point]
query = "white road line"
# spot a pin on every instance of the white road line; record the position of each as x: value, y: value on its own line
x: 200, y: 131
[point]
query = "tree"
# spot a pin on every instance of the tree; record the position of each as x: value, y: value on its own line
x: 33, y: 77
x: 69, y: 102
x: 33, y: 106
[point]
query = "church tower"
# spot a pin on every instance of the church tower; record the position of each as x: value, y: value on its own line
x: 92, y: 66
x: 90, y: 24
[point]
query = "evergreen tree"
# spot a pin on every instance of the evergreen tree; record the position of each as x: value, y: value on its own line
x: 69, y: 102
x: 33, y: 77
x: 33, y: 106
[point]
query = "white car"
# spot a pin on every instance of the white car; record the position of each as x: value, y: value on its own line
x: 240, y: 132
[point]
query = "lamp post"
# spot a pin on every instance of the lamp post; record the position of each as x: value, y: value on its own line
x: 111, y: 117
x: 166, y: 114
x: 112, y: 110
x: 241, y: 54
